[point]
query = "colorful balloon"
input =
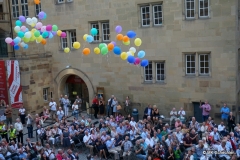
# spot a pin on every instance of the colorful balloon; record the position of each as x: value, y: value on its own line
x: 63, y: 35
x: 137, y: 61
x: 37, y: 1
x: 76, y: 45
x: 144, y: 63
x: 54, y: 27
x: 45, y: 34
x: 104, y: 50
x: 131, y: 34
x: 49, y: 27
x: 18, y: 23
x: 66, y: 50
x: 41, y: 15
x: 110, y: 46
x: 90, y: 39
x: 59, y: 32
x: 22, y: 19
x: 43, y: 28
x: 94, y: 31
x: 85, y: 37
x: 124, y: 55
x: 133, y: 49
x: 125, y: 39
x: 138, y: 42
x: 118, y: 29
x: 36, y: 33
x: 27, y: 35
x: 39, y: 25
x: 17, y: 40
x: 119, y: 37
x: 86, y: 51
x: 114, y: 43
x: 26, y: 46
x: 141, y: 54
x: 131, y: 59
x: 16, y: 47
x: 22, y: 44
x: 20, y: 34
x: 44, y: 41
x: 29, y: 21
x: 96, y: 50
x: 101, y: 45
x: 126, y: 43
x: 117, y: 50
x: 23, y: 28
x: 8, y: 40
x: 34, y: 20
x: 17, y: 29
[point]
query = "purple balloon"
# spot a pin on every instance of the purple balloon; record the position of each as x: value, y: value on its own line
x: 114, y: 43
x: 12, y: 43
x: 22, y: 18
x: 49, y: 27
x: 63, y: 34
x: 54, y: 33
x: 137, y: 61
x: 118, y: 29
x: 41, y: 15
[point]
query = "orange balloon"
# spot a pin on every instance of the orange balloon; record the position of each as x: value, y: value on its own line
x: 44, y: 41
x: 125, y: 39
x: 86, y: 51
x: 37, y: 1
x: 119, y: 37
x: 110, y: 46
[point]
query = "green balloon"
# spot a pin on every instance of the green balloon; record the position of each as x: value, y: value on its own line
x: 101, y: 45
x: 54, y: 27
x: 36, y: 33
x: 20, y: 34
x: 104, y: 50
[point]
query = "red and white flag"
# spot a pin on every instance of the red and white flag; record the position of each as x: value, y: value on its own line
x: 15, y: 88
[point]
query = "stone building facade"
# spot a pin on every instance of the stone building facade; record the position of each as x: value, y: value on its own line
x: 193, y: 47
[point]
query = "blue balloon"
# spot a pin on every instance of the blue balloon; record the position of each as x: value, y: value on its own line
x: 131, y: 59
x: 26, y: 46
x: 45, y: 34
x: 26, y: 30
x: 89, y: 39
x: 16, y: 40
x: 94, y: 31
x: 50, y: 35
x: 144, y: 63
x: 141, y: 54
x: 131, y: 34
x: 16, y: 47
x: 117, y: 50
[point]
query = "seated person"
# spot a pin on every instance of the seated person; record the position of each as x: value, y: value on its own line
x: 139, y: 151
x: 88, y: 142
x: 178, y: 123
x: 215, y: 135
x: 187, y: 142
x: 110, y: 143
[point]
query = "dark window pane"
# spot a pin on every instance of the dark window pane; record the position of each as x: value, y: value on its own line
x: 192, y: 58
x: 201, y: 4
x: 188, y: 64
x: 201, y: 57
x: 202, y: 64
x: 188, y: 58
x: 202, y: 70
x: 188, y: 70
x: 188, y: 13
x: 192, y: 70
x: 206, y: 11
x: 192, y: 5
x: 147, y: 9
x: 192, y: 64
x: 206, y: 70
x: 192, y: 13
x: 206, y: 64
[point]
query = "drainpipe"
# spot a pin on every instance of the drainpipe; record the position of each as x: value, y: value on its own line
x: 10, y: 18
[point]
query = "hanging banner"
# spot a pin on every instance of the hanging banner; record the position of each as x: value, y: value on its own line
x: 3, y: 83
x: 15, y: 88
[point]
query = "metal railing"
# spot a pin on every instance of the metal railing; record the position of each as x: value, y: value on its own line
x: 4, y: 16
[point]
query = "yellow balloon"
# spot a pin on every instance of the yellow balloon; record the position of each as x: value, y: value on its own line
x: 66, y: 50
x: 96, y: 50
x: 33, y: 25
x: 138, y: 42
x: 130, y: 53
x: 59, y: 32
x: 124, y: 55
x: 26, y: 40
x: 126, y: 43
x: 33, y: 30
x: 85, y: 37
x: 32, y: 38
x: 39, y: 39
x: 76, y: 45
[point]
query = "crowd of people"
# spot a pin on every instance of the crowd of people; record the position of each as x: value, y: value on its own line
x: 119, y: 135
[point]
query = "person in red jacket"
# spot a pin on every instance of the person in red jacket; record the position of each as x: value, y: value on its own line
x: 95, y: 106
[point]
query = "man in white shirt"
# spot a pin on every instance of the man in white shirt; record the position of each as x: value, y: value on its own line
x: 149, y: 141
x: 223, y: 149
x: 179, y: 134
x: 60, y: 113
x: 181, y: 115
x: 53, y: 108
x: 49, y: 152
x: 133, y: 123
x: 173, y: 115
x: 88, y: 142
x: 19, y: 127
x: 221, y: 129
x: 215, y: 135
x: 41, y: 133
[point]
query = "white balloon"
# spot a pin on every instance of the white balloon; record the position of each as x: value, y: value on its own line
x: 29, y: 21
x: 133, y: 49
x: 17, y: 29
x: 130, y: 54
x: 28, y: 35
x: 34, y: 20
x: 22, y: 44
x: 18, y: 38
x: 43, y: 29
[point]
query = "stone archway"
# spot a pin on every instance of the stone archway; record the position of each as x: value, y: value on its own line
x: 62, y: 76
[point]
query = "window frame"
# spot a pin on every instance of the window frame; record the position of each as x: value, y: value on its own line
x: 199, y: 64
x: 71, y: 37
x: 145, y: 75
x: 60, y: 1
x: 156, y: 68
x: 102, y: 24
x: 97, y: 37
x: 16, y: 6
x: 141, y: 7
x: 45, y: 94
x: 25, y: 11
x: 186, y: 66
x: 62, y: 41
x: 39, y: 8
x: 203, y: 9
x: 186, y: 9
x: 153, y: 14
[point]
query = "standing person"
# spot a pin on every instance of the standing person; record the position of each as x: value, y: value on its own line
x: 66, y: 139
x: 60, y: 113
x: 109, y: 106
x: 22, y: 114
x: 79, y: 103
x: 206, y: 108
x: 2, y: 104
x: 114, y: 105
x: 19, y: 127
x: 66, y: 104
x: 12, y: 134
x: 95, y: 106
x: 127, y: 107
x: 8, y: 113
x: 30, y: 126
x: 53, y: 109
x: 225, y: 112
x: 173, y: 115
x: 75, y: 110
x: 101, y: 106
x: 61, y: 100
x: 3, y: 130
x: 231, y: 122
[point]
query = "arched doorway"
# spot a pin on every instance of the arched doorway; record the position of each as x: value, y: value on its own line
x: 74, y: 87
x: 67, y: 75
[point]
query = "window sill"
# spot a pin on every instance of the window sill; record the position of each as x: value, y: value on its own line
x: 159, y: 25
x: 208, y: 17
x: 145, y: 26
x: 157, y: 82
x: 199, y: 76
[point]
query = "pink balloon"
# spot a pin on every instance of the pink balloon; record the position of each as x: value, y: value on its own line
x: 9, y: 40
x: 39, y: 25
x: 23, y: 28
x: 12, y: 43
x: 49, y: 27
x: 43, y: 29
x: 63, y: 34
x: 137, y: 61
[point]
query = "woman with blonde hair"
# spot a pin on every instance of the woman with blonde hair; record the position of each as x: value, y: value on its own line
x: 155, y: 114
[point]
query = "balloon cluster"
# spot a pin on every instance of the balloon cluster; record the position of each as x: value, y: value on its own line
x: 37, y: 32
x: 104, y: 48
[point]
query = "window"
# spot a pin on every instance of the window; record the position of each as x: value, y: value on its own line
x: 203, y: 8
x: 60, y: 1
x: 148, y: 72
x: 105, y: 31
x: 160, y: 71
x: 190, y: 64
x: 69, y: 39
x: 45, y: 94
x: 95, y: 25
x: 73, y: 37
x: 24, y: 4
x: 3, y: 47
x: 157, y: 15
x: 145, y: 15
x: 203, y: 64
x: 15, y: 8
x: 38, y: 8
x: 51, y: 95
x: 190, y: 9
